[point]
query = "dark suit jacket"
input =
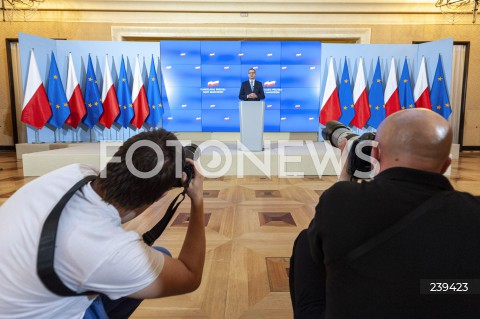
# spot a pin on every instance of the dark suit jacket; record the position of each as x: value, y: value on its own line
x: 385, y: 283
x: 246, y: 89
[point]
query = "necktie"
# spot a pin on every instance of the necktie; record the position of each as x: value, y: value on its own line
x: 251, y: 85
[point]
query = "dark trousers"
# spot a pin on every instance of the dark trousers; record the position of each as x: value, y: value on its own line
x: 307, y: 281
x: 121, y: 308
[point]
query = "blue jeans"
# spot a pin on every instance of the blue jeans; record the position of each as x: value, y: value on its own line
x: 106, y: 308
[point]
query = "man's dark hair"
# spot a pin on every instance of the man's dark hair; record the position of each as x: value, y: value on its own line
x: 121, y: 187
x: 252, y: 69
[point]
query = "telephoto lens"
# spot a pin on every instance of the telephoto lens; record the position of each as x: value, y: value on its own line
x: 335, y: 132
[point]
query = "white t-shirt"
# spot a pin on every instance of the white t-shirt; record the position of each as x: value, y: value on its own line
x: 93, y: 251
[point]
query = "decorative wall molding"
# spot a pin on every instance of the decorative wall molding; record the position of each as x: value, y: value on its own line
x: 119, y: 33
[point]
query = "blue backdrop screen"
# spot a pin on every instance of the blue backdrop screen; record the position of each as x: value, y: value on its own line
x: 180, y: 52
x: 220, y: 52
x: 201, y: 81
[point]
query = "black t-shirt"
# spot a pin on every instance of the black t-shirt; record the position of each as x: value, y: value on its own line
x: 386, y: 282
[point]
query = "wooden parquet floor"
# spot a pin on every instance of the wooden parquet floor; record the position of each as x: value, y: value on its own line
x: 251, y: 224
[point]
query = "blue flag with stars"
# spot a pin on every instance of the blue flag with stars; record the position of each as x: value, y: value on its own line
x: 56, y: 96
x: 346, y: 97
x: 405, y: 92
x: 439, y: 94
x: 93, y: 98
x: 124, y: 97
x: 376, y: 99
x: 154, y: 98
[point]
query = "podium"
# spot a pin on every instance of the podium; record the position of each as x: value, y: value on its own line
x: 251, y: 124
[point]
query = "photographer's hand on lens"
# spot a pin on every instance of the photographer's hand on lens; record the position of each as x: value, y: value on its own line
x: 344, y: 176
x: 195, y: 188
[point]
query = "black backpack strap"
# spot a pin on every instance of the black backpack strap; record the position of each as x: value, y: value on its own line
x: 46, y: 249
x: 391, y: 231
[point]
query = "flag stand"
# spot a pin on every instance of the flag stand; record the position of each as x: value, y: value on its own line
x: 55, y: 136
x: 37, y: 135
x: 91, y: 139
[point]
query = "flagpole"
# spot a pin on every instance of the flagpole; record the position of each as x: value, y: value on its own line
x: 37, y: 135
x: 91, y: 135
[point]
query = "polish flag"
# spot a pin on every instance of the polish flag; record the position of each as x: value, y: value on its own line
x: 392, y: 100
x: 36, y: 109
x: 139, y: 98
x: 74, y: 96
x: 330, y: 104
x: 109, y: 99
x: 360, y: 99
x: 421, y: 92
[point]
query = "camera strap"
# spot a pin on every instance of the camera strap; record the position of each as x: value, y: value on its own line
x: 152, y: 235
x: 48, y: 237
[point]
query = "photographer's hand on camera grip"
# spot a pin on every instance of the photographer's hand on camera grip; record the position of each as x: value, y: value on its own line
x: 195, y: 189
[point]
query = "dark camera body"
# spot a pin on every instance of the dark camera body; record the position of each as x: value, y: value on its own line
x: 189, y: 151
x: 335, y: 132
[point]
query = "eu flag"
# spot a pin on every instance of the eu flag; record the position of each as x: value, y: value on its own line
x: 439, y: 95
x: 346, y: 97
x: 154, y: 98
x: 405, y: 92
x: 56, y: 96
x: 376, y: 98
x: 124, y: 98
x: 93, y: 99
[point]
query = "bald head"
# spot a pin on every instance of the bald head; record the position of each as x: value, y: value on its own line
x: 417, y: 138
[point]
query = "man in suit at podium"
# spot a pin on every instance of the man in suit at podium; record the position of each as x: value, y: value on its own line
x: 251, y: 90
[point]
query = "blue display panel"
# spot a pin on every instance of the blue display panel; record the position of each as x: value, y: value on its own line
x: 297, y: 76
x: 272, y: 121
x: 180, y: 52
x: 220, y: 52
x: 300, y: 98
x: 272, y: 98
x: 269, y: 75
x: 260, y: 52
x: 182, y: 120
x: 182, y: 98
x: 220, y: 98
x: 221, y: 76
x: 181, y: 75
x: 220, y: 121
x: 299, y: 120
x: 213, y: 86
x: 299, y: 52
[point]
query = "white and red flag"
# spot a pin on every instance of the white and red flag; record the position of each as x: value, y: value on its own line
x: 330, y: 104
x: 392, y: 100
x: 74, y: 96
x: 36, y: 108
x: 360, y: 98
x: 139, y: 98
x: 421, y: 92
x: 109, y: 98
